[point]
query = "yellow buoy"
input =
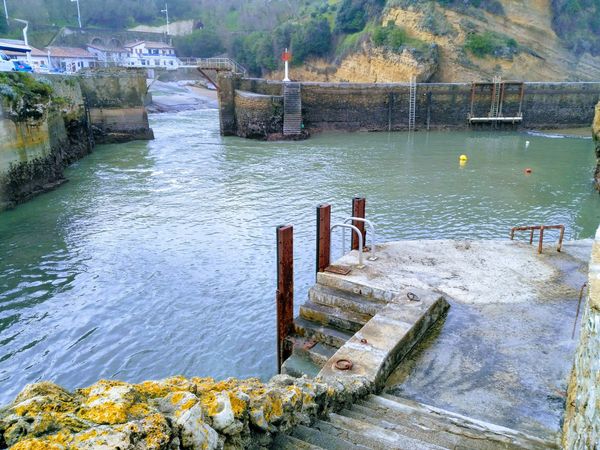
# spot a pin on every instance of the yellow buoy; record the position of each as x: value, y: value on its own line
x: 463, y: 158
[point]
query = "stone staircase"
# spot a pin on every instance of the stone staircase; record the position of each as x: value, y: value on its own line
x: 292, y: 109
x: 327, y: 320
x: 385, y: 422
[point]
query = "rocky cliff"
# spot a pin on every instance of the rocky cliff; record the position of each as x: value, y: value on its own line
x: 517, y: 44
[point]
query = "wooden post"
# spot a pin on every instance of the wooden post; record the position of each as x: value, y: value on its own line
x: 541, y: 244
x: 323, y: 237
x: 358, y: 210
x: 285, y: 291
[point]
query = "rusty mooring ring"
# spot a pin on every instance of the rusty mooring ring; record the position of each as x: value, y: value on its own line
x: 364, y: 341
x: 413, y: 297
x: 343, y: 364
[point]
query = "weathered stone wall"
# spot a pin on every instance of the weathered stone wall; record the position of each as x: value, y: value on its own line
x: 385, y: 107
x: 35, y: 148
x: 176, y: 413
x: 582, y: 418
x: 258, y: 116
x: 37, y: 141
x: 116, y: 98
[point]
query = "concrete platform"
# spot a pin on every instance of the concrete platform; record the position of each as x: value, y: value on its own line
x: 504, y: 352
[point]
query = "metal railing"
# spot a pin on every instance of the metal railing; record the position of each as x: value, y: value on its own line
x: 541, y: 228
x: 360, y: 239
x: 373, y: 239
x: 215, y: 64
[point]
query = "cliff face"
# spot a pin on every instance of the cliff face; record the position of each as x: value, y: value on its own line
x: 596, y: 136
x: 540, y: 54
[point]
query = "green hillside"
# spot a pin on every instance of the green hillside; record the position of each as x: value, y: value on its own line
x: 256, y: 31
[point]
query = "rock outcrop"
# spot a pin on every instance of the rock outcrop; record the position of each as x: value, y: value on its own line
x: 175, y: 413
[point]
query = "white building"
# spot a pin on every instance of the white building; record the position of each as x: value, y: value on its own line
x: 151, y: 54
x: 109, y: 56
x: 71, y: 59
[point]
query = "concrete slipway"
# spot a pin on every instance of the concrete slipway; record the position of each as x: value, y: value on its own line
x: 503, y: 351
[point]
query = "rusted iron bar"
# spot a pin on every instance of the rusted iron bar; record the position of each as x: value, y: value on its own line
x: 541, y: 243
x: 358, y: 210
x: 578, y: 308
x: 323, y: 237
x: 521, y: 97
x: 541, y: 228
x: 285, y: 292
x: 205, y: 75
x: 502, y: 94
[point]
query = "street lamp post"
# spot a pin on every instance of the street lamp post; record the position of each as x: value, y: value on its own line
x: 166, y: 11
x: 78, y: 12
x: 6, y: 11
x: 25, y: 37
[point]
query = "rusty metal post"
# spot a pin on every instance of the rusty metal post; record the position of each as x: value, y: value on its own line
x: 358, y: 210
x: 323, y: 237
x: 560, y: 239
x: 541, y: 244
x: 285, y: 291
x: 531, y: 236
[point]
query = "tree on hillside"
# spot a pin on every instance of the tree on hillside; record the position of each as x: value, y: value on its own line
x: 201, y: 43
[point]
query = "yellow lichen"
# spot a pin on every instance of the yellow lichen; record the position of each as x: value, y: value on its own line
x: 237, y: 405
x: 106, y: 413
x: 36, y: 444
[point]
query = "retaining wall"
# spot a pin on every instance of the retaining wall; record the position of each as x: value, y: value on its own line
x: 582, y: 417
x: 385, y: 107
x: 37, y: 141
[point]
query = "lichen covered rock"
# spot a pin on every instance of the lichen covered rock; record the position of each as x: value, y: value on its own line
x: 175, y: 413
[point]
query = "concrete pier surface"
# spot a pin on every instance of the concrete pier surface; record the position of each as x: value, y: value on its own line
x: 504, y: 351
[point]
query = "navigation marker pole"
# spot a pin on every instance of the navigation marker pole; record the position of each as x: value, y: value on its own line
x: 286, y: 56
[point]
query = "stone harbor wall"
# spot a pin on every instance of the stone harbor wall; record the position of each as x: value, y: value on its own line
x: 258, y: 116
x: 50, y: 121
x: 116, y: 98
x: 385, y: 107
x: 43, y: 128
x: 582, y: 417
x: 176, y: 413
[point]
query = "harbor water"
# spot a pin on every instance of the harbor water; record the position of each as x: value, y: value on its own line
x: 158, y: 258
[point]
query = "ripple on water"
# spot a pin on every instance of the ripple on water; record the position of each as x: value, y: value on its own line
x: 158, y: 258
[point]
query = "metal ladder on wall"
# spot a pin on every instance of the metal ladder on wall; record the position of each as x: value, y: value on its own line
x: 412, y: 103
x: 292, y: 109
x: 495, y: 107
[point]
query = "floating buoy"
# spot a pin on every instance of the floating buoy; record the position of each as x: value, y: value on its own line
x: 463, y: 158
x: 528, y: 171
x: 527, y: 144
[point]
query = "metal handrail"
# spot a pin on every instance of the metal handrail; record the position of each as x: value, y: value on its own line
x: 370, y: 224
x: 216, y: 63
x: 360, y: 239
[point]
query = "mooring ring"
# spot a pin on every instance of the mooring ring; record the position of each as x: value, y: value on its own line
x: 413, y: 297
x: 343, y: 364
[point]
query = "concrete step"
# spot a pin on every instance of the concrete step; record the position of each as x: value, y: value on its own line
x: 334, y: 317
x: 440, y: 426
x: 322, y: 439
x: 371, y: 435
x: 285, y: 442
x: 298, y: 365
x: 321, y: 333
x: 347, y: 301
x: 404, y: 427
x: 345, y: 284
x: 317, y: 352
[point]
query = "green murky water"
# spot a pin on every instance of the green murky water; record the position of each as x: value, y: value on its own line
x: 159, y: 258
